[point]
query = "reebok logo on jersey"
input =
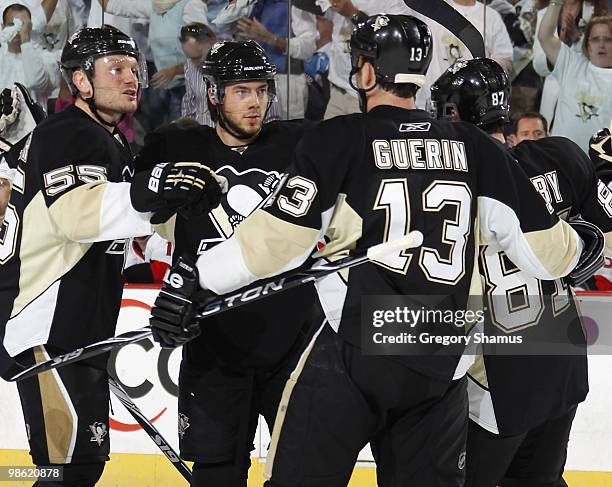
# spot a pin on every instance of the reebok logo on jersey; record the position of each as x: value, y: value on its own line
x: 415, y: 127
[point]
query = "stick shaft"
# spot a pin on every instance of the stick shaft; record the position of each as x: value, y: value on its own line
x: 224, y: 303
x: 149, y: 429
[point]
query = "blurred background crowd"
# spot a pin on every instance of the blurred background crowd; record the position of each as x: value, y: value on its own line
x: 556, y: 90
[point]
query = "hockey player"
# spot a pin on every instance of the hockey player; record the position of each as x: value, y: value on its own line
x: 522, y: 406
x: 62, y: 249
x: 234, y: 371
x: 357, y: 180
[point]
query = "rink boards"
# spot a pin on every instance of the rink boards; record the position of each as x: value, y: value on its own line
x: 150, y: 375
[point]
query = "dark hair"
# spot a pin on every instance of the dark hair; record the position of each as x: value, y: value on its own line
x: 17, y: 7
x: 537, y: 115
x: 403, y: 90
x: 198, y: 31
x: 493, y: 127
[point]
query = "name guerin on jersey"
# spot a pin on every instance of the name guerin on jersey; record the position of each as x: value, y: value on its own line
x: 426, y: 154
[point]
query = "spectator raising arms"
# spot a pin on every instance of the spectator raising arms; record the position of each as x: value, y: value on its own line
x: 585, y: 100
x: 21, y: 61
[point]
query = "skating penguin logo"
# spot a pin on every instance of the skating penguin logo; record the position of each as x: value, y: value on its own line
x: 380, y: 22
x: 183, y: 424
x: 587, y: 112
x: 99, y: 432
x: 247, y: 190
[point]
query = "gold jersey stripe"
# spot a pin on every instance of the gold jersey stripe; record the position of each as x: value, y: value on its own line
x: 555, y: 248
x: 284, y: 402
x: 265, y: 248
x: 59, y: 420
x: 45, y: 254
x: 77, y: 213
x: 345, y: 228
x: 166, y: 230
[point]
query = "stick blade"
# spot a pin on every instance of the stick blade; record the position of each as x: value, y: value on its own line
x: 409, y: 241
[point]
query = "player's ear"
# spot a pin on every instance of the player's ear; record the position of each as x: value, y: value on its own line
x: 368, y: 76
x: 455, y: 115
x: 211, y: 97
x: 81, y: 82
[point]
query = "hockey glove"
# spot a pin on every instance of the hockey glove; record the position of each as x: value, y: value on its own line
x: 600, y: 152
x: 189, y: 188
x: 592, y: 258
x: 172, y: 318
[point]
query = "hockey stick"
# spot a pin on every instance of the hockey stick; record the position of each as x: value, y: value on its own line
x: 230, y: 301
x: 445, y: 15
x: 149, y: 429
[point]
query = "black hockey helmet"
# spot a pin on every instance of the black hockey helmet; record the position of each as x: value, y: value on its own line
x: 231, y: 61
x: 479, y: 89
x: 399, y: 47
x: 91, y: 43
x: 600, y: 152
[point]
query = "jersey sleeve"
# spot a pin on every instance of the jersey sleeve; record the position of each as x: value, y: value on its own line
x: 281, y: 235
x: 74, y: 186
x: 591, y: 199
x: 566, y: 61
x: 512, y: 214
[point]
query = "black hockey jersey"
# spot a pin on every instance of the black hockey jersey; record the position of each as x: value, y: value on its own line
x: 510, y: 394
x: 258, y: 335
x: 62, y: 246
x: 360, y: 179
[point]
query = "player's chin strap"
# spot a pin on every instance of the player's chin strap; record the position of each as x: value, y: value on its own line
x: 226, y: 127
x: 92, y: 106
x: 232, y: 300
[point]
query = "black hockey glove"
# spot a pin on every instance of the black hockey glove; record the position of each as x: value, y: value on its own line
x: 600, y: 152
x: 189, y: 188
x: 172, y: 318
x: 592, y: 257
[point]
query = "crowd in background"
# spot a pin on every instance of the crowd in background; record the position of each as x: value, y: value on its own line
x: 310, y: 52
x: 561, y: 68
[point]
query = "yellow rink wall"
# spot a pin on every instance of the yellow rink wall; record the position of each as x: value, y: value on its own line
x: 132, y: 470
